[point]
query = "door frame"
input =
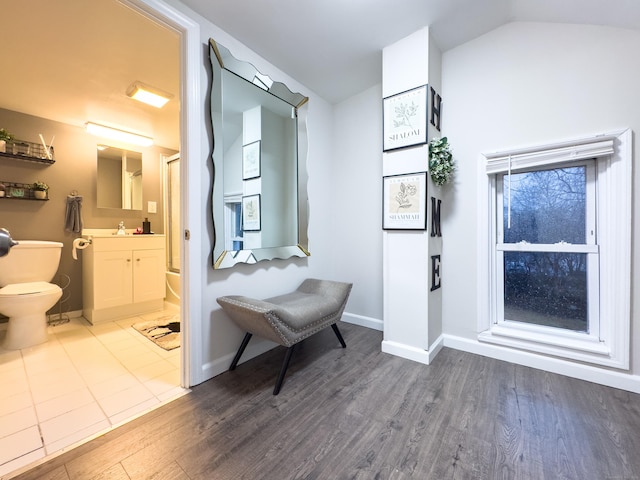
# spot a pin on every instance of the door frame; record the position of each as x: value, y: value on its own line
x: 191, y: 210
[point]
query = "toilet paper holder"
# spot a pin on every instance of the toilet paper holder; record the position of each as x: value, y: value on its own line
x: 80, y: 244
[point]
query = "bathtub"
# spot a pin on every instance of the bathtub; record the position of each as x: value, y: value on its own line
x: 172, y: 288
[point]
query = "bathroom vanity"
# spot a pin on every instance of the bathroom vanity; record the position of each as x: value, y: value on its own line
x: 123, y: 275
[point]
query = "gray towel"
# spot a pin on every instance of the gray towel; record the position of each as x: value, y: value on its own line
x: 73, y: 215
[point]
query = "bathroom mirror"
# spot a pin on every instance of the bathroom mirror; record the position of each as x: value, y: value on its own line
x: 119, y: 178
x: 259, y: 202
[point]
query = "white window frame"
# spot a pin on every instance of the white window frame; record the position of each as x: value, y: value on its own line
x: 589, y: 247
x: 230, y: 220
x: 613, y: 198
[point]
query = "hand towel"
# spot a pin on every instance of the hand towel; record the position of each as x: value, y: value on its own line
x: 73, y: 215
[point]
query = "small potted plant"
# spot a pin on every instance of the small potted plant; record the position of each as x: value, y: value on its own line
x: 40, y: 190
x: 4, y: 138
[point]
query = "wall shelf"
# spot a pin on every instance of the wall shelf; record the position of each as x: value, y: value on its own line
x: 20, y: 191
x: 25, y: 152
x: 27, y: 158
x: 28, y: 152
x: 25, y: 198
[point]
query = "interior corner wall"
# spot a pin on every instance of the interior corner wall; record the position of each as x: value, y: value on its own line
x: 355, y: 216
x: 526, y: 84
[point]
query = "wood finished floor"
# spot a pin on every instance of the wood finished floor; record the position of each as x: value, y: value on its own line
x: 357, y: 413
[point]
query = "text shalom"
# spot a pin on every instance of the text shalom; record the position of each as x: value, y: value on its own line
x: 407, y: 134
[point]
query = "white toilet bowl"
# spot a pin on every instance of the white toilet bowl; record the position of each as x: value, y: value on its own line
x: 26, y: 304
x: 25, y: 291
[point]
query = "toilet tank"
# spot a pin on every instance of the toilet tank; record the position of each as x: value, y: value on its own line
x: 30, y: 261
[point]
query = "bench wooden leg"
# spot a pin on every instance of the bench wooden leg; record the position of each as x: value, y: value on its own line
x: 243, y: 345
x: 337, y: 332
x: 283, y: 369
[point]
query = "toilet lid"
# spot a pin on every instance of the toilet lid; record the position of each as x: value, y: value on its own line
x: 30, y: 288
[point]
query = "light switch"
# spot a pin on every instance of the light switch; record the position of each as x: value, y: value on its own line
x: 151, y: 207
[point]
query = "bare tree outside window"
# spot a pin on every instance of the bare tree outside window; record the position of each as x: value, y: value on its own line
x: 547, y: 207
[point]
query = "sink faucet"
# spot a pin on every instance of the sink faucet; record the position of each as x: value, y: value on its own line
x: 121, y: 230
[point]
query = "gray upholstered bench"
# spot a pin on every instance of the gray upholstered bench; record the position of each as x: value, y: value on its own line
x: 288, y: 319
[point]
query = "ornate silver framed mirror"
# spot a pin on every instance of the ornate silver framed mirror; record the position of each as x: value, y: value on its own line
x: 259, y: 199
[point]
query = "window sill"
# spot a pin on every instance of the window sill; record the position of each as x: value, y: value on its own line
x: 574, y: 349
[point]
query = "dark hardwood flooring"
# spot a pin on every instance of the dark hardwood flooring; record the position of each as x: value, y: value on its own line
x: 357, y: 413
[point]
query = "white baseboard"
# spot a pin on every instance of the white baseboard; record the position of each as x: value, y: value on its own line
x: 413, y: 353
x: 221, y: 365
x: 589, y: 373
x: 363, y: 321
x: 259, y: 346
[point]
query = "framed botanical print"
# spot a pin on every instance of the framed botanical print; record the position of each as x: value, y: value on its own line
x: 404, y: 199
x: 251, y: 160
x: 405, y: 119
x: 251, y: 213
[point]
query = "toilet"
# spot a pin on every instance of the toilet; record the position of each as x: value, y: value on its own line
x: 25, y: 291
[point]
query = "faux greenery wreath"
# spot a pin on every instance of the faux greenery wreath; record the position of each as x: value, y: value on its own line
x: 440, y: 161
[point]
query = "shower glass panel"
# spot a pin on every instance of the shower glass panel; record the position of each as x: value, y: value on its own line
x: 173, y: 213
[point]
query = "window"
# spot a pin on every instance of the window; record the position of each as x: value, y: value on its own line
x: 546, y: 248
x: 556, y: 270
x: 233, y: 223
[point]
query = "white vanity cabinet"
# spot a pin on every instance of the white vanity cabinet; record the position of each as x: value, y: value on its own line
x: 123, y: 276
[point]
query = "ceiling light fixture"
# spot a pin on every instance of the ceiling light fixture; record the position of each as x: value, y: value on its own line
x: 149, y: 95
x: 117, y: 134
x: 262, y: 81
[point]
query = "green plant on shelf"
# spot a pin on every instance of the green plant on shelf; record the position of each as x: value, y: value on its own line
x: 40, y: 186
x: 6, y: 136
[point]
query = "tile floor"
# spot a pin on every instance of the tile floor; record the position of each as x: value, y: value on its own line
x: 84, y: 381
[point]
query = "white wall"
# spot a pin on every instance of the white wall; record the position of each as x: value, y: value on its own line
x: 355, y: 213
x: 526, y: 84
x: 220, y: 338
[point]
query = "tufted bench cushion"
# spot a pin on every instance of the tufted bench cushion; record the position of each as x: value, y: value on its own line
x: 290, y: 318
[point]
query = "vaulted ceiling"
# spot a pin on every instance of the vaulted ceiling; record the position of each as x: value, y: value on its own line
x: 335, y: 46
x: 72, y: 61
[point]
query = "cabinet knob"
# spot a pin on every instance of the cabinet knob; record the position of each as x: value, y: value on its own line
x: 128, y: 259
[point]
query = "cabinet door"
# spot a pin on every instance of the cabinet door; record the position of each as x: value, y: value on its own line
x: 112, y: 279
x: 148, y: 275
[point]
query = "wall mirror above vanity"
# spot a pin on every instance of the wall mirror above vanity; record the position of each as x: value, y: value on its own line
x: 259, y: 198
x: 119, y: 178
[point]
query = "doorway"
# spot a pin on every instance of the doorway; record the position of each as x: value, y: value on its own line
x: 189, y: 234
x: 191, y: 266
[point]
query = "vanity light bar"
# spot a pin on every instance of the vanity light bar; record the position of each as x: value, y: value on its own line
x: 116, y: 134
x: 149, y: 95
